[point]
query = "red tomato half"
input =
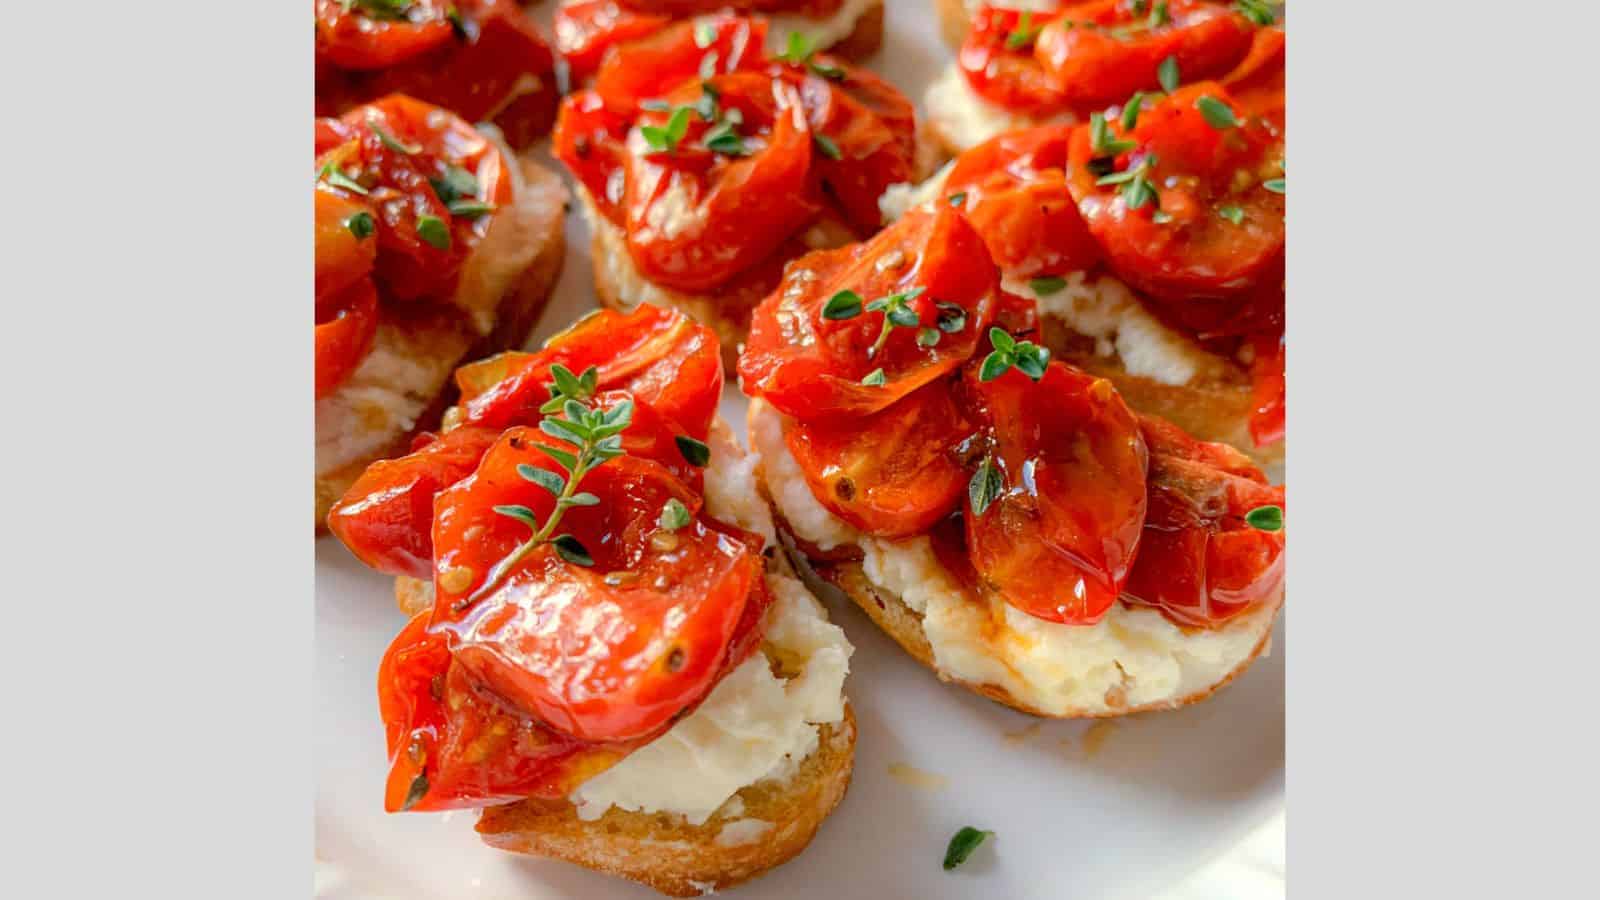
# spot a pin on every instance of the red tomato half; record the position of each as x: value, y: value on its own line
x: 452, y: 746
x: 356, y: 37
x: 812, y: 367
x: 662, y: 357
x: 1015, y: 194
x: 651, y: 68
x: 586, y: 29
x: 1199, y: 562
x: 872, y: 125
x: 1059, y: 540
x: 891, y: 474
x: 386, y: 517
x: 1202, y: 176
x: 1270, y: 393
x: 1101, y: 52
x: 1257, y: 81
x: 346, y: 324
x: 395, y: 149
x: 1002, y: 69
x: 611, y: 651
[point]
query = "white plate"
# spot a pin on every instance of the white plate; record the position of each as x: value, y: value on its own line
x: 1124, y: 808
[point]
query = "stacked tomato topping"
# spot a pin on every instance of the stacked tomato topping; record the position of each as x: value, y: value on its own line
x: 714, y: 156
x: 910, y: 412
x: 586, y: 29
x: 583, y: 600
x: 1178, y: 192
x: 405, y: 192
x: 481, y: 59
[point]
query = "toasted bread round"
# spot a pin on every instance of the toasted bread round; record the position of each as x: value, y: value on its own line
x: 435, y: 343
x: 953, y: 20
x: 864, y: 39
x: 676, y: 858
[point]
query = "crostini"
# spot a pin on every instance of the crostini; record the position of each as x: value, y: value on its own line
x: 434, y: 245
x: 1152, y: 238
x: 1003, y: 515
x: 607, y: 653
x: 481, y: 59
x: 586, y: 29
x: 1021, y: 67
x: 704, y: 164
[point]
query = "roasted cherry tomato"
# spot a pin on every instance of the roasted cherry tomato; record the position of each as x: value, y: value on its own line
x: 1205, y: 167
x: 346, y: 324
x: 1101, y: 52
x: 452, y: 746
x: 1060, y: 535
x: 386, y: 517
x: 481, y: 59
x: 1270, y: 393
x: 1256, y: 83
x: 893, y: 473
x: 998, y: 62
x: 611, y: 649
x: 1199, y: 562
x: 345, y: 253
x: 662, y: 357
x: 869, y: 123
x: 413, y: 164
x: 1013, y: 189
x: 586, y: 29
x: 650, y: 68
x: 814, y: 352
x: 590, y: 140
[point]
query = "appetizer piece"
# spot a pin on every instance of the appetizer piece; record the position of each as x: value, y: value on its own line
x: 704, y: 164
x: 434, y: 244
x: 606, y: 653
x: 1152, y: 238
x: 481, y: 59
x: 1022, y: 67
x: 1003, y: 515
x: 586, y: 29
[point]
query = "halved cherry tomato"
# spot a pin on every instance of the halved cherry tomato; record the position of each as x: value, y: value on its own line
x: 1101, y: 52
x: 346, y: 324
x: 696, y: 217
x: 650, y: 68
x: 1201, y: 176
x: 812, y: 367
x: 452, y: 746
x: 586, y: 29
x: 1199, y: 562
x: 1060, y: 538
x: 1256, y: 83
x: 590, y: 140
x: 869, y: 122
x: 360, y: 37
x: 342, y: 258
x: 891, y: 474
x: 1001, y: 68
x: 397, y: 149
x: 386, y: 517
x: 1270, y: 394
x: 492, y: 65
x: 1016, y: 196
x: 609, y: 651
x: 662, y: 357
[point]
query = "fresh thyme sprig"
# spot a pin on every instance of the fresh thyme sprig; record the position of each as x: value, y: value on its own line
x: 798, y: 51
x: 596, y: 437
x: 1026, y: 32
x: 1137, y: 188
x: 1029, y: 358
x: 896, y: 314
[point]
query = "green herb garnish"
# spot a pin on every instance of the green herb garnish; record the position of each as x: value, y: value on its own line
x: 666, y: 138
x: 434, y: 232
x: 986, y: 486
x: 1025, y: 34
x: 361, y: 225
x: 674, y: 515
x: 469, y: 209
x: 336, y: 177
x: 1274, y: 185
x: 962, y: 844
x: 896, y: 314
x: 1255, y: 11
x: 389, y: 140
x: 952, y: 318
x: 1130, y: 111
x: 1137, y: 188
x: 1265, y: 518
x: 843, y: 305
x: 1047, y: 285
x: 696, y: 453
x: 957, y: 198
x: 1027, y: 357
x: 1167, y: 74
x: 1217, y: 114
x: 1101, y: 143
x: 1159, y: 15
x: 455, y: 184
x: 826, y: 145
x: 1232, y: 213
x: 704, y: 35
x: 875, y: 378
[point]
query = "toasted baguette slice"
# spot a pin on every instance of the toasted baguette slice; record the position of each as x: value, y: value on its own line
x: 1022, y: 660
x: 863, y: 40
x: 954, y: 17
x: 677, y: 858
x: 404, y: 384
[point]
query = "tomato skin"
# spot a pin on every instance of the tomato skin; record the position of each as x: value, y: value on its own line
x: 1006, y: 76
x: 892, y: 474
x: 1257, y: 82
x: 1059, y: 541
x: 1094, y: 66
x: 597, y: 658
x: 496, y: 67
x: 1199, y: 171
x: 872, y: 124
x: 811, y: 367
x: 386, y: 517
x: 342, y: 259
x: 589, y: 140
x: 662, y: 357
x: 586, y: 29
x: 346, y: 324
x: 1199, y: 562
x: 1270, y: 392
x: 1017, y: 198
x: 652, y: 67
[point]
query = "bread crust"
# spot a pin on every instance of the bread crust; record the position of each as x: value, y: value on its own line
x: 953, y: 20
x: 669, y: 855
x: 515, y: 317
x: 864, y: 39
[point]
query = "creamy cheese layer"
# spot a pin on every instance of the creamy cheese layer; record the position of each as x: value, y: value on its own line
x: 965, y: 119
x: 1132, y: 657
x: 755, y: 726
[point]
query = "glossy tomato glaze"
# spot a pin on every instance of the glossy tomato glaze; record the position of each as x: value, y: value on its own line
x: 1176, y: 200
x: 405, y: 191
x: 481, y: 59
x: 534, y: 669
x: 908, y: 413
x: 714, y: 157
